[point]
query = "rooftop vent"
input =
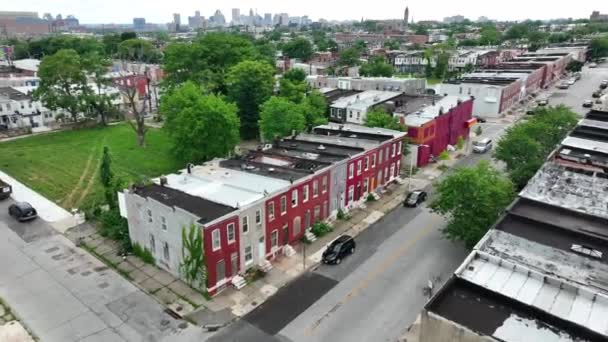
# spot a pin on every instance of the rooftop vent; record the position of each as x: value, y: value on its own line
x: 189, y: 167
x: 321, y: 147
x: 587, y: 251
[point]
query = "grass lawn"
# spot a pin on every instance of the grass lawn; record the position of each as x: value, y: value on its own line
x: 433, y: 81
x: 64, y: 166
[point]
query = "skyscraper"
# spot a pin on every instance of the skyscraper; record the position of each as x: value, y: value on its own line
x: 268, y: 19
x: 236, y: 16
x: 139, y: 24
x: 177, y: 21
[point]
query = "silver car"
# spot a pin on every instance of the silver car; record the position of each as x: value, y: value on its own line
x: 482, y: 146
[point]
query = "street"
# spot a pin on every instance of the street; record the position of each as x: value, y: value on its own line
x: 375, y: 294
x: 64, y: 294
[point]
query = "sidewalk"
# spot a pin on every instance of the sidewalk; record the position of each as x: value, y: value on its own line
x: 49, y: 211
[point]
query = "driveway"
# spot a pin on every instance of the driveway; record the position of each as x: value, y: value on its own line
x: 64, y: 294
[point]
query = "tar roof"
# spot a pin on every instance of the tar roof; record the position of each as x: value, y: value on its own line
x: 492, y: 314
x: 206, y: 210
x: 267, y: 170
x: 350, y: 140
x: 562, y: 187
x: 430, y: 112
x: 313, y: 146
x: 372, y: 133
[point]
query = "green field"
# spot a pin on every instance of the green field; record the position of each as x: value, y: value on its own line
x: 64, y: 166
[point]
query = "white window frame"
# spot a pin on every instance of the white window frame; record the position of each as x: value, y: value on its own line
x: 231, y: 227
x: 245, y: 224
x: 274, y: 239
x: 305, y: 193
x: 163, y: 223
x: 271, y: 211
x: 393, y: 150
x: 166, y: 252
x: 359, y: 162
x: 258, y: 217
x: 152, y: 244
x: 315, y: 188
x: 399, y: 147
x: 351, y: 171
x: 373, y: 160
x: 294, y: 198
x: 248, y: 255
x: 380, y: 156
x: 283, y: 205
x: 366, y: 185
x: 351, y: 194
x: 216, y: 236
x: 366, y: 163
x: 324, y: 184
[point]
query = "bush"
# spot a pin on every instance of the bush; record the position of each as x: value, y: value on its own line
x: 321, y: 228
x: 342, y: 215
x: 444, y: 155
x: 478, y: 131
x: 305, y: 240
x: 460, y: 143
x: 370, y: 198
x: 143, y: 253
x: 115, y: 227
x: 443, y: 167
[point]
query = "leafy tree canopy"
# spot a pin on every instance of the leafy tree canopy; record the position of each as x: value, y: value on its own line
x: 378, y: 117
x: 299, y: 48
x: 279, y: 117
x: 376, y: 67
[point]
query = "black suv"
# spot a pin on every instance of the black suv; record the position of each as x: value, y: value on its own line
x: 337, y: 250
x: 22, y: 211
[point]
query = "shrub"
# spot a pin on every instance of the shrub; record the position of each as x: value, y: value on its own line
x: 460, y: 143
x: 143, y: 253
x: 443, y: 167
x: 305, y: 240
x: 370, y: 198
x: 444, y: 155
x: 321, y: 228
x: 115, y: 227
x: 478, y: 130
x: 342, y: 215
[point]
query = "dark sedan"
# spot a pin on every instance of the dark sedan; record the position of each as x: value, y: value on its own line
x: 414, y: 198
x: 22, y: 211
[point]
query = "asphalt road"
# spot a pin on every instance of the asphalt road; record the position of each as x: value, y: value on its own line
x: 375, y: 294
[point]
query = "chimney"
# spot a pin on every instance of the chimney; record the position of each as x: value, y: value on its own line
x: 163, y: 181
x: 189, y: 167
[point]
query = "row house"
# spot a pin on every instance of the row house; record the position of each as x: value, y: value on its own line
x: 354, y: 108
x: 252, y: 209
x: 18, y: 109
x: 404, y: 85
x: 475, y: 58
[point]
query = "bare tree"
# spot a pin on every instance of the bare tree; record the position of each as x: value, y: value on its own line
x: 128, y: 88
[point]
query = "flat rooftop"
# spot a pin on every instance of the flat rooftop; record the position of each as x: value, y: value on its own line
x: 371, y: 133
x: 585, y: 144
x: 14, y: 94
x: 562, y: 187
x: 262, y: 169
x: 497, y: 81
x: 431, y: 111
x: 365, y: 99
x: 206, y: 210
x: 352, y: 140
x: 491, y: 314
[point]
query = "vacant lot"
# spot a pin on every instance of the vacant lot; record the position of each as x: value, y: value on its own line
x: 64, y: 166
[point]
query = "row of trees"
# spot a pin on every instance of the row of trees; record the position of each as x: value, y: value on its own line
x: 473, y: 198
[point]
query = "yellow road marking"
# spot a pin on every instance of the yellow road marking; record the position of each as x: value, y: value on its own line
x: 374, y: 275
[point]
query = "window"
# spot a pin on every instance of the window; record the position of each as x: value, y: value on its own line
x: 152, y: 244
x: 366, y: 164
x: 274, y: 239
x: 258, y: 217
x: 386, y: 153
x: 215, y: 240
x: 294, y: 198
x: 351, y: 169
x: 351, y: 193
x: 297, y: 226
x: 305, y: 194
x: 283, y: 205
x: 245, y: 224
x: 166, y: 251
x: 271, y: 211
x: 324, y: 184
x: 386, y: 174
x: 374, y: 160
x: 150, y: 216
x: 380, y: 157
x: 315, y: 188
x: 393, y: 148
x: 231, y: 233
x: 365, y: 185
x: 248, y: 255
x: 399, y: 147
x: 358, y: 167
x: 163, y: 222
x: 317, y: 214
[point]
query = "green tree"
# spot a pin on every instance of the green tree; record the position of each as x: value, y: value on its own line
x: 314, y: 108
x: 206, y: 60
x: 127, y: 35
x: 294, y: 91
x: 392, y: 44
x: 295, y: 75
x: 138, y: 50
x: 105, y: 169
x: 349, y: 57
x: 99, y: 102
x: 378, y: 117
x: 249, y: 85
x: 575, y: 66
x: 471, y: 199
x: 517, y: 31
x: 598, y: 48
x: 192, y: 266
x: 525, y: 146
x: 279, y: 117
x: 63, y: 82
x: 489, y: 35
x: 360, y: 45
x: 110, y: 43
x: 298, y: 48
x: 202, y: 127
x: 376, y: 67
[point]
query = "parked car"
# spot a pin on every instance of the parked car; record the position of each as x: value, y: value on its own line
x: 604, y: 84
x: 479, y: 119
x: 577, y: 76
x: 588, y: 103
x: 5, y: 190
x: 563, y: 85
x: 482, y: 146
x: 414, y: 198
x: 530, y: 110
x: 596, y: 94
x: 22, y: 211
x: 543, y: 101
x: 593, y: 65
x: 337, y: 250
x: 571, y: 81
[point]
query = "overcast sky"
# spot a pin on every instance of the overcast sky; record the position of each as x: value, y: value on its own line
x: 123, y: 11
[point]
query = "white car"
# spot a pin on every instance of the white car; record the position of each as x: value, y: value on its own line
x: 571, y: 81
x: 593, y: 65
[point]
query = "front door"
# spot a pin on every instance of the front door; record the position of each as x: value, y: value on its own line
x: 307, y: 220
x: 234, y: 264
x: 220, y: 270
x: 285, y: 234
x: 262, y: 249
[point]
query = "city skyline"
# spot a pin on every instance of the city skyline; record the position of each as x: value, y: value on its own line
x: 97, y: 12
